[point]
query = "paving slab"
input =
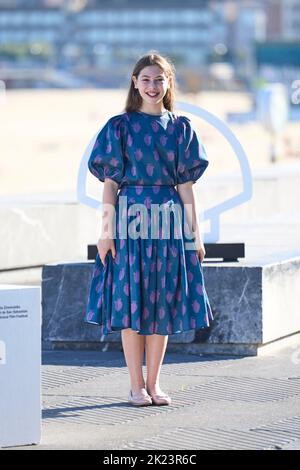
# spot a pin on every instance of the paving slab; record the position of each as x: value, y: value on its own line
x: 219, y: 402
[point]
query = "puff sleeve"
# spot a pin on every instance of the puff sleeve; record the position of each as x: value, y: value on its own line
x: 106, y: 159
x: 192, y: 159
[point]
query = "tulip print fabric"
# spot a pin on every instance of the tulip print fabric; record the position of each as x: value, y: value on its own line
x: 155, y: 284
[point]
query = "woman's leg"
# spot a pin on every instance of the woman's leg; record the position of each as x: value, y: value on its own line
x: 134, y: 347
x: 155, y: 350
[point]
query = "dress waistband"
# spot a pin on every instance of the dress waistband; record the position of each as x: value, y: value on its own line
x: 148, y: 185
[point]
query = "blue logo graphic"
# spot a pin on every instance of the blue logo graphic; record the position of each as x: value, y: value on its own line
x: 212, y: 214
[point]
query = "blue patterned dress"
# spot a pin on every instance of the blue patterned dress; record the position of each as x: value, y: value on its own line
x: 155, y: 284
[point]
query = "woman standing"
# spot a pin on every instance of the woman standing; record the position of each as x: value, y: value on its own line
x: 149, y: 286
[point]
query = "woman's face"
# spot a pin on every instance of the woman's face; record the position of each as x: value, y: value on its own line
x: 152, y: 84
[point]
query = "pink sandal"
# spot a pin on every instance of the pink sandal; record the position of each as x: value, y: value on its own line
x: 160, y: 399
x: 140, y: 399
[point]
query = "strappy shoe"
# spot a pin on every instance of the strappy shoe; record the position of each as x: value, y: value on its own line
x: 160, y: 399
x: 140, y: 399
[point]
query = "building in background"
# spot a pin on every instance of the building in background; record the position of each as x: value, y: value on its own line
x: 263, y: 39
x: 73, y: 43
x: 89, y: 38
x: 288, y: 12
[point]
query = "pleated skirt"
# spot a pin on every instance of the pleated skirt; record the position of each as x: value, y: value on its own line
x: 155, y: 284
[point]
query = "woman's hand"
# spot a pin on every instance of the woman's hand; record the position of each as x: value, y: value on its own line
x: 201, y: 252
x: 106, y: 241
x: 103, y: 246
x: 186, y: 194
x: 200, y: 248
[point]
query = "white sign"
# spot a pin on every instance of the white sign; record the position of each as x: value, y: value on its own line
x: 20, y: 365
x: 2, y: 353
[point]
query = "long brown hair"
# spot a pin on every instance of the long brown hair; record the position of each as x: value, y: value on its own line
x: 134, y: 99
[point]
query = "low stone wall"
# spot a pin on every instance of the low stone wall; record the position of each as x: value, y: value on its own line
x: 256, y: 307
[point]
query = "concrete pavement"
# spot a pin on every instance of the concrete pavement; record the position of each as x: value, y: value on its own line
x: 219, y: 402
